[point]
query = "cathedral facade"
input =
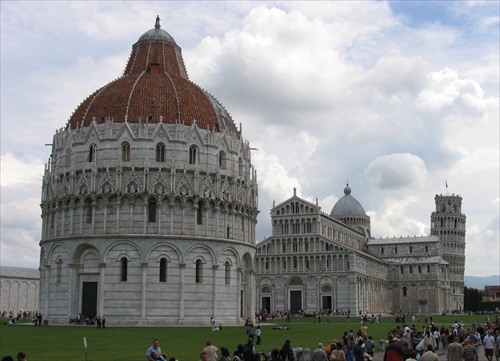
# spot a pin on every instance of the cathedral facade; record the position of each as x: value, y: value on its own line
x: 318, y: 262
x: 149, y: 202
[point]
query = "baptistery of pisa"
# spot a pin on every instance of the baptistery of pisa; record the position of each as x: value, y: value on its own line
x: 149, y: 201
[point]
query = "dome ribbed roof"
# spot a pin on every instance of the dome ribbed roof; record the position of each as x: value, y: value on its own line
x: 157, y: 34
x: 154, y: 88
x: 347, y: 206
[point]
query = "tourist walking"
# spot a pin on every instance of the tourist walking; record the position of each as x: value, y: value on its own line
x: 429, y: 355
x: 489, y: 345
x: 455, y: 350
x: 469, y: 351
x: 319, y: 354
x: 258, y: 334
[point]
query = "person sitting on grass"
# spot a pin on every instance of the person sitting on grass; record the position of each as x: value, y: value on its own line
x: 154, y: 352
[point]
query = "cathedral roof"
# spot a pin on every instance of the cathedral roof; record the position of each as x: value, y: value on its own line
x: 19, y: 272
x: 154, y: 88
x: 399, y: 240
x: 417, y: 260
x: 347, y: 206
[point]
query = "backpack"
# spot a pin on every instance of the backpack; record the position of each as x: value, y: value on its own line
x: 330, y: 348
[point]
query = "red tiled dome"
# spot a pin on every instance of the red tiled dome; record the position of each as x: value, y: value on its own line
x: 154, y: 88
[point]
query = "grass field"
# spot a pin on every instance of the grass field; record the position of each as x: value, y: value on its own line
x: 65, y: 343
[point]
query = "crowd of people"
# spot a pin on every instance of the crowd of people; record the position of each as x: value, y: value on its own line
x: 405, y: 343
x: 352, y: 347
x: 459, y: 343
x: 14, y: 318
x: 87, y: 320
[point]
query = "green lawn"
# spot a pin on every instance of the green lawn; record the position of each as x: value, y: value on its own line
x: 185, y: 343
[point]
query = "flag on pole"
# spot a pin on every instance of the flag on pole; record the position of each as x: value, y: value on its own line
x: 446, y: 182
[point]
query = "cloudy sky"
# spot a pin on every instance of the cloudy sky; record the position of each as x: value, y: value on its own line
x: 395, y: 97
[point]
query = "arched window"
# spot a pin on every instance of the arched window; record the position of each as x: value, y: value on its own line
x: 163, y: 270
x: 52, y: 221
x: 152, y: 209
x: 59, y: 270
x: 405, y: 292
x: 68, y: 157
x: 160, y: 152
x: 92, y: 152
x: 124, y: 269
x: 125, y: 152
x: 193, y: 154
x: 199, y: 213
x: 88, y: 210
x: 222, y: 160
x: 426, y: 248
x: 411, y: 249
x: 227, y: 272
x: 199, y: 271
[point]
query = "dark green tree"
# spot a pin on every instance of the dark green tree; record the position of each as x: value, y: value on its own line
x: 472, y: 297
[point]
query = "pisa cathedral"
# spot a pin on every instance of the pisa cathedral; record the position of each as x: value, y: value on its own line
x: 316, y: 261
x: 149, y: 208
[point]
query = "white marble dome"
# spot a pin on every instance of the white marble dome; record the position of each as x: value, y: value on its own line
x: 347, y: 206
x: 149, y: 202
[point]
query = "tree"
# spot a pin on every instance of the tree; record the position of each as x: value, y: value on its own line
x: 472, y: 297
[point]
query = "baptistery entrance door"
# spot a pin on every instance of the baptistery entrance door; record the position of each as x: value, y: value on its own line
x: 326, y: 302
x: 266, y: 304
x: 89, y: 299
x: 295, y: 301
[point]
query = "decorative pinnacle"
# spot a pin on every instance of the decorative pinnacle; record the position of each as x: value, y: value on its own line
x: 157, y: 23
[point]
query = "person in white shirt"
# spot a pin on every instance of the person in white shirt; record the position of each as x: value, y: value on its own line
x: 489, y: 345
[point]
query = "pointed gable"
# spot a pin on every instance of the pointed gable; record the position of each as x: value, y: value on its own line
x: 295, y: 206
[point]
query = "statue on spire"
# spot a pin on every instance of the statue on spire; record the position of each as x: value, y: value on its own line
x: 157, y: 23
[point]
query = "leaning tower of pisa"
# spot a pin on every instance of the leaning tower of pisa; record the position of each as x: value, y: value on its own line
x: 448, y: 223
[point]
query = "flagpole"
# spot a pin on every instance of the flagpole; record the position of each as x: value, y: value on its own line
x: 85, y: 348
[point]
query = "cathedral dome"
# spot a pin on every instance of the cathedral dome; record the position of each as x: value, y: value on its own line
x: 347, y: 206
x: 154, y: 88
